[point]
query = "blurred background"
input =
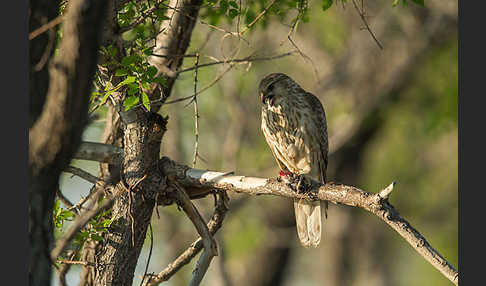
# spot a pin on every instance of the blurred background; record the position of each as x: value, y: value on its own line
x: 392, y: 116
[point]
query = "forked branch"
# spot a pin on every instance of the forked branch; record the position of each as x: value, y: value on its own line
x: 214, y: 225
x: 201, y: 181
x: 210, y: 248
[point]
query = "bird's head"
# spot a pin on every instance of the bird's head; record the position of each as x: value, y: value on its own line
x: 274, y: 86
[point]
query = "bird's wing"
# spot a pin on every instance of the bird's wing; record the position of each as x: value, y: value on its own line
x: 320, y: 124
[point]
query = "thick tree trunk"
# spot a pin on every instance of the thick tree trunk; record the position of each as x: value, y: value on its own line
x: 55, y: 132
x: 132, y: 210
x: 117, y: 255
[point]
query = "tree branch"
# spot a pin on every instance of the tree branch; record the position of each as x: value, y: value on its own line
x: 82, y: 174
x: 214, y: 225
x: 199, y: 183
x: 59, y: 115
x: 100, y: 152
x: 195, y: 179
x: 210, y: 248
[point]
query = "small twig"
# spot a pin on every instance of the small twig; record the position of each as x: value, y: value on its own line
x: 166, y: 56
x: 63, y: 199
x: 149, y: 255
x: 215, y: 80
x: 242, y: 60
x: 385, y: 193
x: 218, y: 77
x: 140, y: 19
x: 196, y: 114
x: 77, y: 207
x: 306, y: 57
x: 257, y: 18
x: 200, y: 21
x: 82, y: 174
x: 76, y: 262
x: 42, y: 29
x: 361, y: 14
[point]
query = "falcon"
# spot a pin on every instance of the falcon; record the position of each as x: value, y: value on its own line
x: 294, y: 126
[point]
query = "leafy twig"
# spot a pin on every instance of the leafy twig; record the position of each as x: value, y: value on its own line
x: 79, y: 223
x: 361, y: 14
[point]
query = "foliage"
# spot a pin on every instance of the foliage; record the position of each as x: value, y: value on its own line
x: 93, y: 230
x: 413, y: 146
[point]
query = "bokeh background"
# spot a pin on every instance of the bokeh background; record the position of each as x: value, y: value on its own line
x: 392, y: 116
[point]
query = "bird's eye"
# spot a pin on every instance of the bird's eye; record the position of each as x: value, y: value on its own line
x: 270, y: 87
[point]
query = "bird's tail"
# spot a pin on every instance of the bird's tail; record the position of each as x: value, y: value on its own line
x: 308, y: 221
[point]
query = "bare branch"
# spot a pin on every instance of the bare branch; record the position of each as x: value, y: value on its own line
x: 46, y: 27
x: 215, y: 80
x: 82, y: 174
x: 194, y: 179
x: 210, y: 248
x: 199, y: 183
x: 242, y: 60
x: 196, y: 114
x: 75, y: 262
x: 214, y: 225
x: 99, y: 152
x: 63, y: 199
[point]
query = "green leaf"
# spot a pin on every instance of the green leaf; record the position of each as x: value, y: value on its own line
x: 148, y: 51
x: 233, y: 13
x: 96, y: 237
x: 128, y: 60
x: 233, y: 4
x: 146, y: 100
x: 121, y: 72
x: 56, y: 207
x: 132, y: 88
x: 94, y: 95
x: 130, y: 102
x: 326, y: 4
x: 112, y: 51
x: 160, y: 80
x: 128, y: 80
x: 151, y: 71
x: 223, y: 6
x: 107, y: 222
x: 419, y: 2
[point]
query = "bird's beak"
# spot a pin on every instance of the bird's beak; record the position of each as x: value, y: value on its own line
x: 262, y: 97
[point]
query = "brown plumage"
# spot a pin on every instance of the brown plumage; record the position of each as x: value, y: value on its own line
x: 294, y: 125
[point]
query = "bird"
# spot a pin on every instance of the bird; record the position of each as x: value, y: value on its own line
x: 295, y: 128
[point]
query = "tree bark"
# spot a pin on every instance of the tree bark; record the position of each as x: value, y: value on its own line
x: 176, y: 36
x: 55, y: 132
x: 132, y: 210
